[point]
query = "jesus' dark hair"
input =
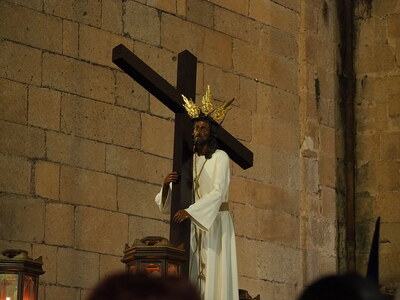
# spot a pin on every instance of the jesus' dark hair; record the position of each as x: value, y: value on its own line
x: 212, y: 140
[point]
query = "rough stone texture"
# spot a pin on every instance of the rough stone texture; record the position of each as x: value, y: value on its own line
x: 156, y: 129
x: 216, y: 53
x: 44, y: 108
x: 61, y: 292
x: 15, y: 174
x: 96, y: 45
x: 77, y: 268
x: 47, y: 180
x: 111, y: 16
x: 87, y: 12
x: 78, y: 77
x: 21, y: 140
x: 49, y: 257
x: 142, y: 23
x: 81, y: 186
x: 107, y: 236
x: 137, y: 198
x: 200, y: 12
x: 240, y: 6
x: 20, y: 63
x: 100, y: 121
x: 13, y: 101
x: 141, y: 227
x: 166, y: 5
x: 134, y: 164
x: 34, y: 24
x: 59, y: 224
x: 110, y: 265
x: 75, y: 151
x: 70, y: 38
x: 129, y: 93
x: 22, y: 218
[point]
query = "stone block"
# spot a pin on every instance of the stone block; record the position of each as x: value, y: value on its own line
x: 387, y: 206
x: 38, y: 30
x: 224, y: 85
x: 60, y: 221
x: 87, y: 12
x: 159, y: 109
x: 35, y: 4
x: 61, y: 292
x: 238, y: 122
x: 156, y: 129
x: 135, y: 164
x: 22, y: 140
x: 100, y: 121
x: 390, y: 146
x: 375, y: 58
x: 24, y: 218
x: 107, y: 236
x: 277, y: 103
x: 368, y: 147
x: 276, y: 133
x: 327, y: 138
x: 20, y: 63
x: 70, y: 38
x: 311, y: 171
x: 241, y: 214
x: 294, y: 5
x: 200, y: 12
x: 44, y: 108
x: 137, y: 198
x: 279, y: 42
x: 13, y: 101
x: 247, y: 251
x: 240, y: 6
x: 279, y: 263
x: 165, y: 5
x: 111, y: 16
x: 129, y: 93
x: 110, y: 265
x: 75, y: 151
x: 15, y: 174
x: 288, y: 235
x: 85, y: 187
x: 142, y: 23
x: 319, y: 52
x: 4, y: 244
x: 141, y: 227
x: 247, y: 94
x: 389, y: 263
x: 387, y: 175
x: 264, y: 196
x: 78, y: 77
x: 375, y: 30
x: 246, y: 59
x: 161, y: 60
x: 371, y: 116
x: 322, y: 234
x: 49, y: 257
x: 77, y: 268
x: 276, y: 15
x: 327, y: 171
x: 382, y: 9
x: 181, y: 8
x: 393, y: 105
x: 47, y: 179
x: 237, y: 26
x: 389, y: 232
x: 217, y: 53
x: 96, y: 45
x: 328, y: 199
x: 366, y: 177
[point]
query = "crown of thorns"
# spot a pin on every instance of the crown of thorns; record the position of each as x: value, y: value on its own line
x: 207, y: 107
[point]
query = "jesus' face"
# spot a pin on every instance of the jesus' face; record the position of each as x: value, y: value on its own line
x: 201, y: 132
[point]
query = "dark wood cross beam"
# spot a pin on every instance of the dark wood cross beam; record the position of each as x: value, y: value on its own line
x: 183, y: 151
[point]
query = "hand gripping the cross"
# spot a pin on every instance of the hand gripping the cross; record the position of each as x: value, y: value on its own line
x: 181, y: 215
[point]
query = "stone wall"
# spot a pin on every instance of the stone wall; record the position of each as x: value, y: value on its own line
x: 84, y: 148
x: 378, y: 135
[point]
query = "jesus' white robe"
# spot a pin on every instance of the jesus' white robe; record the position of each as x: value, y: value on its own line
x: 212, y: 235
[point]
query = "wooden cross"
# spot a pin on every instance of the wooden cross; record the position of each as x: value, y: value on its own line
x: 183, y: 151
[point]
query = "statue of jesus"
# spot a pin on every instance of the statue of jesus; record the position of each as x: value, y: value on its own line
x: 213, y: 266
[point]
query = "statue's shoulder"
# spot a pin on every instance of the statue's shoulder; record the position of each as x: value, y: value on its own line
x: 221, y: 155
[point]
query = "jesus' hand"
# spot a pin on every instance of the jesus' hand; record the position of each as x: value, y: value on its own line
x: 180, y: 216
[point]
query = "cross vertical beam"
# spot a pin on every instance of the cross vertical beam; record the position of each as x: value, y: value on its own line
x: 182, y: 190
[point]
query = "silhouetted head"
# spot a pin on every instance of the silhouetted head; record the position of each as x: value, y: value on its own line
x: 342, y: 287
x: 128, y: 286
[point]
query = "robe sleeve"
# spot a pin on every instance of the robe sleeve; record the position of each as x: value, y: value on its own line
x: 204, y: 211
x: 166, y: 208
